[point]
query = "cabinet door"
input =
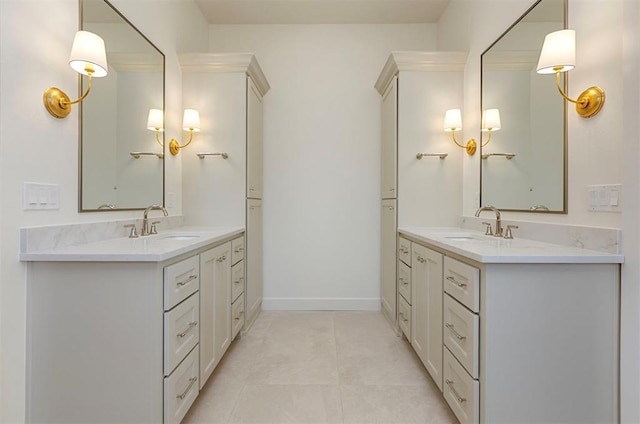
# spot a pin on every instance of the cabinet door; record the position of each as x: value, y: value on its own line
x: 254, y: 259
x: 426, y: 301
x: 215, y: 307
x: 389, y: 140
x: 254, y: 141
x: 388, y: 289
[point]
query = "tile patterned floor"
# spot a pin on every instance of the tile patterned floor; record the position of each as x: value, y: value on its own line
x: 320, y: 367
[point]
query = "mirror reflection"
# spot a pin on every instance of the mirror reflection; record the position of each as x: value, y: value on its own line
x: 523, y: 163
x: 122, y: 163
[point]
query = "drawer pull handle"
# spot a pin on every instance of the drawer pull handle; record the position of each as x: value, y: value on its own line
x: 455, y: 333
x: 421, y: 259
x: 185, y: 282
x: 404, y: 282
x: 192, y: 381
x: 186, y: 330
x: 457, y: 283
x: 239, y: 280
x: 239, y: 249
x: 403, y: 250
x: 403, y: 318
x: 460, y: 399
x: 222, y: 258
x: 239, y: 315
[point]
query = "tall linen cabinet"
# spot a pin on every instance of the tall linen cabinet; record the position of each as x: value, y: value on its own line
x: 416, y: 89
x: 227, y: 90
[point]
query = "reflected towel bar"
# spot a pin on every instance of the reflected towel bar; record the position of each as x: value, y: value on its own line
x: 440, y: 155
x: 138, y: 154
x: 202, y: 155
x: 509, y: 156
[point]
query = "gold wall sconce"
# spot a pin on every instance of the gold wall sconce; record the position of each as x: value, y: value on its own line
x: 453, y: 124
x: 191, y: 123
x: 88, y: 57
x: 559, y: 55
x: 155, y: 122
x: 490, y: 123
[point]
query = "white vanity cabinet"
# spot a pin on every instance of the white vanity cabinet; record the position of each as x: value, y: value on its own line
x: 215, y: 303
x: 116, y: 339
x: 416, y: 88
x: 523, y: 340
x: 426, y: 287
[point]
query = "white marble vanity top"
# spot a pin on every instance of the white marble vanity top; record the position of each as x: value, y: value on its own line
x: 155, y: 248
x: 488, y: 249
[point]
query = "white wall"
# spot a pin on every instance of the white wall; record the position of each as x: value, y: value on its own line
x: 35, y: 40
x: 602, y: 150
x: 321, y: 155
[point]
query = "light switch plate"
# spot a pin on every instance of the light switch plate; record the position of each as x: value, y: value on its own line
x: 39, y: 196
x: 605, y: 198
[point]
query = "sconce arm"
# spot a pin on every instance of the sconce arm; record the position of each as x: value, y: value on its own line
x: 158, y: 138
x: 488, y: 139
x: 174, y: 146
x: 581, y: 101
x: 81, y: 98
x: 453, y: 135
x: 470, y: 147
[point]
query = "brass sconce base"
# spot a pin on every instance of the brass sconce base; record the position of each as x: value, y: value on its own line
x: 590, y: 102
x: 57, y: 102
x: 471, y: 147
x: 174, y: 146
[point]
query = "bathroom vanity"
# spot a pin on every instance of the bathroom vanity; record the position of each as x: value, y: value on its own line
x: 512, y: 330
x: 129, y: 329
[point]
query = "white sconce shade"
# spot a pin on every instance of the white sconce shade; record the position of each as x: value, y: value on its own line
x: 88, y: 54
x: 452, y: 120
x: 558, y: 52
x: 155, y: 121
x: 491, y: 120
x: 191, y: 120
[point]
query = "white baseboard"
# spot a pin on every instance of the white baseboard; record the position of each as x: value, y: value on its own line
x: 321, y: 304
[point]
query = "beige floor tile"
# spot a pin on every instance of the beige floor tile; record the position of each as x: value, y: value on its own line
x: 394, y: 404
x: 214, y: 404
x: 288, y: 404
x: 373, y: 360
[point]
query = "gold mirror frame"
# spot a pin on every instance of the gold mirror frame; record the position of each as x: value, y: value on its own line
x: 507, y: 156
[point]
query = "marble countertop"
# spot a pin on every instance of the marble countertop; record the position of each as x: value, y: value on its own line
x: 488, y: 249
x: 155, y: 248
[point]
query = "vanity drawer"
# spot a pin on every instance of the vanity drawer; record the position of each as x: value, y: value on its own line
x: 180, y: 281
x: 237, y: 317
x: 181, y: 388
x: 404, y: 317
x: 181, y: 332
x: 461, y: 334
x: 237, y: 280
x: 462, y: 282
x: 237, y: 250
x: 404, y: 250
x: 461, y: 392
x: 404, y: 281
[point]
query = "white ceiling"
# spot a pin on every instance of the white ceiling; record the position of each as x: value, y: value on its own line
x: 321, y: 11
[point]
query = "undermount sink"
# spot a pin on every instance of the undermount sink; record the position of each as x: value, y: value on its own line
x: 460, y: 238
x: 179, y: 237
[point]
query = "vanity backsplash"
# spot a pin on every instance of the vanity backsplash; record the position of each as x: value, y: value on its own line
x: 595, y: 238
x: 36, y: 239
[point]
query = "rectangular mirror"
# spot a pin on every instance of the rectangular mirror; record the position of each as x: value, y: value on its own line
x: 524, y: 163
x: 121, y: 162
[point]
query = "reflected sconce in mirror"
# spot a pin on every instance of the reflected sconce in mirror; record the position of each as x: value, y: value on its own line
x: 453, y: 124
x: 559, y: 55
x: 155, y: 122
x: 490, y: 123
x: 191, y: 123
x: 88, y: 57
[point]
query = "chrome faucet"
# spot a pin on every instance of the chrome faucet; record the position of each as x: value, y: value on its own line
x: 145, y: 219
x: 498, y: 231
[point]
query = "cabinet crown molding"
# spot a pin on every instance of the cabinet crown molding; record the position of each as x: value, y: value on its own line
x: 419, y: 62
x: 225, y: 62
